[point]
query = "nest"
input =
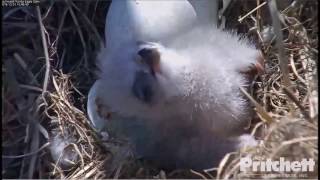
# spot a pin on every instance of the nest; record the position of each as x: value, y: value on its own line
x: 48, y: 69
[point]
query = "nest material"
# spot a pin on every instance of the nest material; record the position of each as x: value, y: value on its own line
x: 48, y: 70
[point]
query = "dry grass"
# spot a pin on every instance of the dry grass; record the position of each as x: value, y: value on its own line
x: 48, y: 65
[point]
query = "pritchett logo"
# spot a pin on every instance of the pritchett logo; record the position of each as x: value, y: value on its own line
x: 277, y: 166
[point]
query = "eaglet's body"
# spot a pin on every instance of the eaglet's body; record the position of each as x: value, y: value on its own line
x: 182, y: 108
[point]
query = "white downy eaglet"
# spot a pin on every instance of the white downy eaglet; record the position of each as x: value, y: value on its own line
x: 169, y: 83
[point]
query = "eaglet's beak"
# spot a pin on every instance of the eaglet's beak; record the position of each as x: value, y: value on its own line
x: 151, y: 57
x: 144, y: 83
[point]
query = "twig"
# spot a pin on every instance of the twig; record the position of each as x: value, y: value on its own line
x: 27, y: 154
x: 34, y: 146
x: 296, y: 101
x: 63, y: 16
x: 92, y: 26
x: 46, y: 54
x: 79, y: 32
x: 10, y: 12
x: 223, y: 164
x: 293, y: 141
x: 83, y: 170
x: 117, y: 173
x: 48, y: 11
x: 198, y: 174
x: 33, y: 88
x: 232, y: 171
x: 259, y: 108
x: 283, y: 61
x: 25, y: 67
x: 258, y: 22
x: 294, y: 69
x: 94, y: 11
x: 252, y: 11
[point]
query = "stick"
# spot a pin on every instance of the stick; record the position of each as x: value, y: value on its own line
x: 46, y: 54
